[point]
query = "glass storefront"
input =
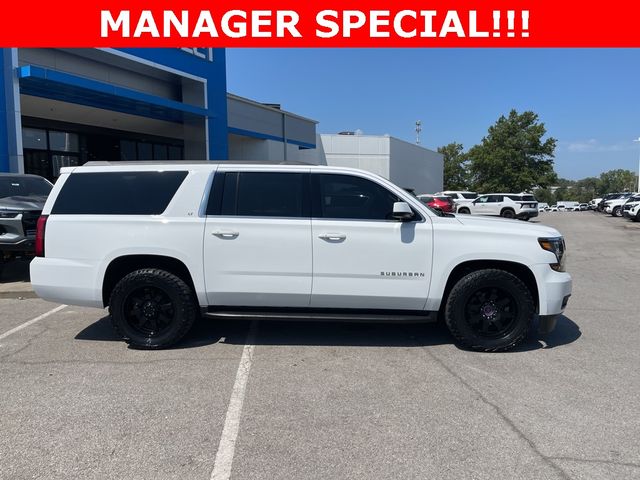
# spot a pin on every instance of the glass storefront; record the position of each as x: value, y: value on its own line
x: 47, y: 150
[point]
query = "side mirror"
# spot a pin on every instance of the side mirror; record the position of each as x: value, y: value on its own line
x: 402, y: 211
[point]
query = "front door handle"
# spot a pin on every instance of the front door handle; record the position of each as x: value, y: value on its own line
x: 332, y: 236
x: 225, y: 234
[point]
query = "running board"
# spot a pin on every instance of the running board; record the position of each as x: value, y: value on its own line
x: 324, y: 316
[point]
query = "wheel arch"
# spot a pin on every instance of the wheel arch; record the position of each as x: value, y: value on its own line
x: 123, y: 265
x: 520, y: 270
x: 504, y: 209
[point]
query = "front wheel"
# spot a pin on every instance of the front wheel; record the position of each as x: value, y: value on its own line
x: 616, y: 212
x: 489, y: 310
x: 464, y: 211
x: 152, y: 308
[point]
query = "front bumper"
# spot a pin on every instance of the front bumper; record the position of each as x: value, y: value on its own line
x: 554, y: 289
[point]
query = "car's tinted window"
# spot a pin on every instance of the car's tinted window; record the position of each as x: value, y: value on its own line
x: 347, y: 196
x: 118, y: 193
x: 20, y: 186
x: 495, y: 198
x: 261, y: 194
x: 469, y: 196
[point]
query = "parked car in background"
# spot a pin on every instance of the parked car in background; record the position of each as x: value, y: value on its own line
x: 459, y: 195
x: 543, y: 207
x: 584, y: 207
x: 610, y: 196
x: 631, y: 202
x: 634, y: 213
x: 443, y: 202
x: 614, y: 206
x: 593, y: 204
x: 569, y: 206
x: 522, y: 206
x: 554, y: 208
x: 22, y: 198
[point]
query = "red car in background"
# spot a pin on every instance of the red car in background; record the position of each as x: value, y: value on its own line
x: 442, y: 202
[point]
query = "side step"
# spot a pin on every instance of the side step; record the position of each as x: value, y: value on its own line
x: 324, y: 315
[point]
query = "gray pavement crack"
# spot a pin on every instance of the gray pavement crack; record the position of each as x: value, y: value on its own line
x: 548, y: 460
x: 595, y: 460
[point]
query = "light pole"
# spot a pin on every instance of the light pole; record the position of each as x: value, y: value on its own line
x: 638, y: 141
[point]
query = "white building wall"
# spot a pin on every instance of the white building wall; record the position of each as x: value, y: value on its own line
x: 413, y: 166
x: 367, y: 152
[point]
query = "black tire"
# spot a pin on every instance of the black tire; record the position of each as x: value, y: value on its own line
x: 616, y: 212
x: 464, y: 211
x: 152, y: 308
x: 508, y: 213
x: 489, y: 310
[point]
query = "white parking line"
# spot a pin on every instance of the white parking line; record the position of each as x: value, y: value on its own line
x: 227, y: 445
x: 31, y: 322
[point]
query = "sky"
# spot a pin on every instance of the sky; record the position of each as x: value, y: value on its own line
x: 588, y: 99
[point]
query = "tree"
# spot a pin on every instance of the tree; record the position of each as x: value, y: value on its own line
x: 455, y: 171
x: 544, y: 195
x: 513, y: 157
x: 617, y: 181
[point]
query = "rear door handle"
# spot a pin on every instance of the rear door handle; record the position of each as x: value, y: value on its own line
x: 332, y: 236
x: 225, y: 234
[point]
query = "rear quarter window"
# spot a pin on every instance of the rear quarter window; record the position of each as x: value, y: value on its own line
x: 118, y: 193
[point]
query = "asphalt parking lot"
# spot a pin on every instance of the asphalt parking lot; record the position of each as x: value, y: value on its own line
x: 295, y: 400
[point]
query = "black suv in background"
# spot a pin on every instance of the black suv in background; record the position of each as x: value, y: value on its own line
x: 21, y: 200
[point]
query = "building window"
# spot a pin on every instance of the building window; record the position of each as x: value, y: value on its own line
x: 63, y: 141
x: 34, y: 138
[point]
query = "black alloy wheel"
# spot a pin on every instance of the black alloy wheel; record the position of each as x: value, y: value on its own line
x: 152, y: 308
x: 149, y: 311
x: 489, y: 310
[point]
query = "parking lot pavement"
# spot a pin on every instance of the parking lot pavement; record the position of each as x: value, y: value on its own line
x: 332, y: 400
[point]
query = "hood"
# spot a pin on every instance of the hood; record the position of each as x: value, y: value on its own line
x: 23, y: 203
x: 503, y: 225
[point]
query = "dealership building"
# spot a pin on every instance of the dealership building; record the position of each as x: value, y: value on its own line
x: 65, y: 107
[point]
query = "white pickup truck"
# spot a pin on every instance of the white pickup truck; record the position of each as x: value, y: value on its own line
x: 162, y: 243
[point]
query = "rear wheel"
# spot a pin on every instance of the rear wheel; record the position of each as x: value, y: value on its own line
x: 464, y: 211
x: 152, y: 308
x: 489, y: 310
x: 508, y: 213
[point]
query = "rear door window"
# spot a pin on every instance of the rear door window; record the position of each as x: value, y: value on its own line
x: 260, y: 194
x: 118, y: 193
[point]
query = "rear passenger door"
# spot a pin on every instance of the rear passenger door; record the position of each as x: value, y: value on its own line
x: 257, y: 245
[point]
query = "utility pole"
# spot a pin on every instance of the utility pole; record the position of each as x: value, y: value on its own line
x: 418, y: 130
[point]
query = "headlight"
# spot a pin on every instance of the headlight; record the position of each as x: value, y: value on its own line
x: 556, y: 246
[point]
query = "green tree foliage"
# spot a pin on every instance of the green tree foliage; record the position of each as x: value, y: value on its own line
x: 455, y: 170
x: 544, y: 195
x: 513, y: 157
x: 617, y: 181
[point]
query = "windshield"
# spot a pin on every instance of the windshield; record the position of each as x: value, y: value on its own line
x: 24, y: 187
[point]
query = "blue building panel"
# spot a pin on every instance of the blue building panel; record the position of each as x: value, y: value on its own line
x: 213, y: 69
x: 5, y: 113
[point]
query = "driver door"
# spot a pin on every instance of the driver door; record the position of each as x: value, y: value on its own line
x: 362, y: 258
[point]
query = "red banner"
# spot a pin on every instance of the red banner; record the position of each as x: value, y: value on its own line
x: 288, y: 23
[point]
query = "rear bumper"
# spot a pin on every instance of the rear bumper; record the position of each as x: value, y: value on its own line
x: 26, y: 245
x: 65, y: 281
x: 527, y: 214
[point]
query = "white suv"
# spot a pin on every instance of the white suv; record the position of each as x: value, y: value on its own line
x: 160, y: 244
x: 522, y: 206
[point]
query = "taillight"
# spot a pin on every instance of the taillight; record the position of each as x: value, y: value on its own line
x: 40, y: 227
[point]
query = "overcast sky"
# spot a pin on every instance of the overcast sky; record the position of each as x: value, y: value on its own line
x: 589, y: 99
